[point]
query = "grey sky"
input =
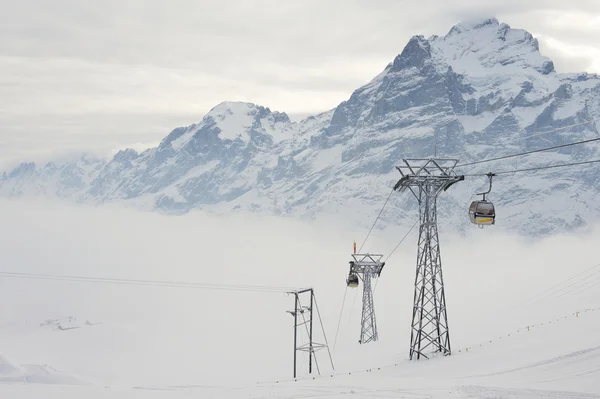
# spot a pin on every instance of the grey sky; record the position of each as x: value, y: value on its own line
x: 103, y: 75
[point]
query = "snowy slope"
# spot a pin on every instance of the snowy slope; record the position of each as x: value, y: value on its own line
x: 136, y: 341
x: 481, y: 90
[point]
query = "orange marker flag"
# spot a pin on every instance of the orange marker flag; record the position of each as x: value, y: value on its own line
x: 354, y: 246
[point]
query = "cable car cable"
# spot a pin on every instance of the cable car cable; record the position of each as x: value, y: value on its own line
x: 324, y: 335
x: 151, y: 283
x: 376, y: 219
x: 340, y: 319
x: 585, y: 289
x: 394, y: 250
x: 535, y: 168
x: 536, y: 298
x: 352, y: 308
x: 401, y: 241
x: 574, y: 286
x: 579, y: 290
x: 529, y: 152
x: 540, y: 133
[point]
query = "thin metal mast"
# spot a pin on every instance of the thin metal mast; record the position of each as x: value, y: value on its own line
x: 311, y: 347
x: 426, y: 179
x: 367, y: 267
x: 310, y: 332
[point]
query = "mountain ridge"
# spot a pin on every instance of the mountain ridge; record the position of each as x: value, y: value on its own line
x: 481, y: 89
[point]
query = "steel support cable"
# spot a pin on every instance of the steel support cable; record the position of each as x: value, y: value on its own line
x: 541, y: 133
x: 574, y: 286
x: 153, y: 283
x: 352, y: 309
x: 324, y: 335
x: 560, y: 165
x: 587, y: 288
x: 402, y: 240
x: 395, y: 248
x: 550, y: 289
x: 376, y: 219
x: 529, y: 152
x: 577, y: 290
x: 536, y: 134
x: 340, y: 319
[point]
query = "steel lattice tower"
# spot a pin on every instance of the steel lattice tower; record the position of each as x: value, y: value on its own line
x: 367, y: 267
x: 426, y: 179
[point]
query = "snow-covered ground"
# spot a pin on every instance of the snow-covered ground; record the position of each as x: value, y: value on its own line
x: 75, y: 339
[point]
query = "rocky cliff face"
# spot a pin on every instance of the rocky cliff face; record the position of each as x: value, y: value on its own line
x: 482, y: 90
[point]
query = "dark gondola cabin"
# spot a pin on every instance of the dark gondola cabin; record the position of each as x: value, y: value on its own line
x: 482, y: 213
x: 352, y: 280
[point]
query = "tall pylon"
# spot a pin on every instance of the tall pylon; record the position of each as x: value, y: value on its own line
x: 366, y: 267
x: 426, y: 179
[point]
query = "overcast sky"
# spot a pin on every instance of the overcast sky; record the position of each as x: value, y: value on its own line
x: 103, y: 75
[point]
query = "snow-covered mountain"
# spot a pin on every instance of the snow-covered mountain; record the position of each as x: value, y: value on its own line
x: 480, y: 91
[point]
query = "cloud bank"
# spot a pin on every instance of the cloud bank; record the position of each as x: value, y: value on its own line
x: 99, y: 76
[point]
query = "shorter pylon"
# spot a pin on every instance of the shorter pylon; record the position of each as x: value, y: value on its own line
x: 366, y: 267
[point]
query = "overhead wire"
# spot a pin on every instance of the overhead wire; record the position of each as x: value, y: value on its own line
x: 340, y: 319
x: 376, y: 219
x: 551, y: 290
x: 574, y: 286
x: 597, y: 282
x: 394, y: 250
x: 401, y: 241
x: 152, y: 283
x: 528, y: 152
x: 324, y: 335
x: 561, y: 165
x: 352, y: 308
x: 536, y: 134
x: 578, y: 290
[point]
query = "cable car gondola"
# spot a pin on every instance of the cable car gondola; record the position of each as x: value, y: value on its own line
x: 352, y: 280
x: 482, y: 212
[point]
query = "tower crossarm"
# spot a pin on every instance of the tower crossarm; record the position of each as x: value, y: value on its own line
x: 437, y: 174
x: 366, y: 263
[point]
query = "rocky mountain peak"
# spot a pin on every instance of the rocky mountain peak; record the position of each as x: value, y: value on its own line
x: 482, y: 90
x: 474, y: 24
x: 487, y: 44
x: 414, y: 54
